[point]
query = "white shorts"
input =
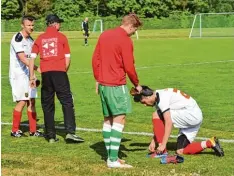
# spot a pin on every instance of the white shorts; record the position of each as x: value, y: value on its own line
x: 190, y: 133
x: 21, y: 89
x: 188, y: 120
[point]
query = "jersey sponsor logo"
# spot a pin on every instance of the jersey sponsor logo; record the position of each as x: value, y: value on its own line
x: 49, y: 47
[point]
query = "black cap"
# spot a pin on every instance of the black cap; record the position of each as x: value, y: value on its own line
x: 52, y: 18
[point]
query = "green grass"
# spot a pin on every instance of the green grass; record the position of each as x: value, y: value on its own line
x: 200, y: 67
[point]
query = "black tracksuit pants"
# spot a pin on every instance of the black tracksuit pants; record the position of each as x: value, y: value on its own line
x: 57, y: 82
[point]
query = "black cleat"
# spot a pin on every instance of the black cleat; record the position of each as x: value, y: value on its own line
x: 73, y: 138
x: 17, y: 134
x: 216, y: 146
x: 37, y: 134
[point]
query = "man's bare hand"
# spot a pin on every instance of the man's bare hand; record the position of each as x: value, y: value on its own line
x: 152, y: 146
x: 138, y: 88
x: 32, y: 83
x: 161, y: 148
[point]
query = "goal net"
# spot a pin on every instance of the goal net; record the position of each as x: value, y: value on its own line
x: 98, y: 26
x: 213, y: 25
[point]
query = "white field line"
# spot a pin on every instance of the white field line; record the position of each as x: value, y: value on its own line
x: 127, y: 132
x: 154, y: 66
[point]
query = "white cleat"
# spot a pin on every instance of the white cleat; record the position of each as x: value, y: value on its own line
x: 117, y: 164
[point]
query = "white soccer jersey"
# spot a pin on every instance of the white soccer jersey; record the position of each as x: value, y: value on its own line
x: 17, y: 46
x: 18, y: 71
x: 173, y: 99
x: 185, y: 113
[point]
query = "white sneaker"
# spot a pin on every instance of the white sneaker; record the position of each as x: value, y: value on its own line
x: 117, y: 164
x: 120, y: 160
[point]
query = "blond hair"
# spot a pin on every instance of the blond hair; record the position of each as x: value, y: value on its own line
x: 132, y: 19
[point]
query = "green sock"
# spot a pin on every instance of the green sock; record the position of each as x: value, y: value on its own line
x: 106, y: 132
x: 115, y: 140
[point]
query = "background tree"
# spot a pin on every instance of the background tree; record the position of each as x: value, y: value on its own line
x: 10, y: 9
x: 38, y: 8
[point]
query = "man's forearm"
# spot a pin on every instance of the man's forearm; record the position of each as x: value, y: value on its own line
x: 67, y: 63
x: 31, y: 69
x: 168, y: 127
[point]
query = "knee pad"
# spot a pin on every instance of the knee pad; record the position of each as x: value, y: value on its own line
x: 182, y: 142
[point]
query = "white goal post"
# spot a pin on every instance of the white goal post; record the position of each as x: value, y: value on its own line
x: 100, y: 28
x: 96, y: 27
x: 213, y: 25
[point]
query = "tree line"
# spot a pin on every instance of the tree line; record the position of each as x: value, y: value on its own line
x: 14, y: 9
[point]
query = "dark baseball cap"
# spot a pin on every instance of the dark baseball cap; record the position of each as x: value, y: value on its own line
x: 53, y: 18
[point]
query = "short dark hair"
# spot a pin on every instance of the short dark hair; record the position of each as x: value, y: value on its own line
x: 145, y: 92
x: 27, y: 17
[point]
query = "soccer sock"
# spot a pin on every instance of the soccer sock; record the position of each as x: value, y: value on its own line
x: 16, y: 120
x: 32, y: 118
x: 86, y: 41
x: 158, y: 129
x: 194, y: 148
x: 115, y: 139
x: 106, y: 132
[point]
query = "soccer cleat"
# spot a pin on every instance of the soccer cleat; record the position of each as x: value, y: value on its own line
x: 216, y: 146
x: 37, y: 134
x: 17, y: 134
x: 172, y: 159
x: 117, y: 164
x: 53, y: 140
x: 73, y: 138
x: 157, y: 155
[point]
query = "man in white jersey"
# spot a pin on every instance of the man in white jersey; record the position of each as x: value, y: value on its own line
x: 20, y: 50
x: 175, y: 108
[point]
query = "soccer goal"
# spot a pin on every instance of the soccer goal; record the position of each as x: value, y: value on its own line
x: 98, y: 26
x: 213, y: 25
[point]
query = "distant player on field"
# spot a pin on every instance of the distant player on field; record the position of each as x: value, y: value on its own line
x: 85, y: 30
x: 20, y: 51
x: 174, y: 107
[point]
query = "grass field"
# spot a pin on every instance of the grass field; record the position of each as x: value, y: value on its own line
x: 203, y: 68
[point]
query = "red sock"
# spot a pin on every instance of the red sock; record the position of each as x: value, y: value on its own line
x: 193, y: 148
x: 32, y: 118
x: 16, y: 120
x: 158, y: 129
x: 208, y: 144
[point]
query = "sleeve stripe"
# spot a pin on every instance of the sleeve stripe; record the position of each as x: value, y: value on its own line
x: 19, y: 52
x: 33, y: 55
x: 67, y: 55
x: 166, y: 110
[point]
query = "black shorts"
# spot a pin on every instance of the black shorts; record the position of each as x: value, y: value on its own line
x: 86, y: 34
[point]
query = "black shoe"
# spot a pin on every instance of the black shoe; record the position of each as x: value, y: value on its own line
x: 53, y: 140
x: 216, y: 146
x: 17, y: 134
x: 73, y: 138
x: 37, y: 134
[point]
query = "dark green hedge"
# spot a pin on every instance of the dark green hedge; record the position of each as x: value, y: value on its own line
x: 172, y: 22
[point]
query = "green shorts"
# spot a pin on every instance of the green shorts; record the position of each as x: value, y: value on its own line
x: 115, y: 100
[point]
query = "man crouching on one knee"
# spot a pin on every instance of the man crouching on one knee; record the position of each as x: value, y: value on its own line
x: 178, y: 109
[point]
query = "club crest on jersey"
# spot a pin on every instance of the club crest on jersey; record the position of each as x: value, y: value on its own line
x: 26, y: 94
